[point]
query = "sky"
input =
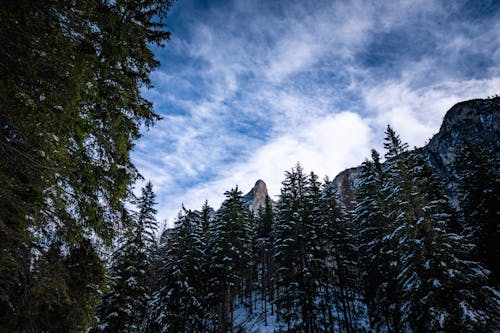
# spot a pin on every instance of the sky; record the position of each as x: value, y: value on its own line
x: 247, y: 89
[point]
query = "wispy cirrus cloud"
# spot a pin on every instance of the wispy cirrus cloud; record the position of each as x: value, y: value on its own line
x: 247, y: 89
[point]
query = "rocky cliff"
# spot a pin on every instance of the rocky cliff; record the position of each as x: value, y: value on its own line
x: 476, y: 121
x: 257, y: 196
x: 345, y: 184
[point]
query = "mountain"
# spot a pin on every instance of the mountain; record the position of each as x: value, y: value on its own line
x: 476, y: 121
x: 257, y: 196
x: 345, y: 184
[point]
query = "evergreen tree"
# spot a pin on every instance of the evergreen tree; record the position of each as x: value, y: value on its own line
x: 265, y: 220
x: 394, y: 196
x: 315, y: 272
x: 478, y: 191
x: 370, y: 217
x: 342, y: 253
x: 439, y: 289
x: 264, y: 242
x: 206, y: 221
x: 318, y: 282
x: 231, y: 252
x: 76, y: 291
x: 289, y: 248
x: 179, y: 306
x: 300, y: 245
x: 70, y: 111
x: 124, y: 307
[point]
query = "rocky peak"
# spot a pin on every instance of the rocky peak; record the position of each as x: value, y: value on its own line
x: 257, y: 196
x: 345, y: 185
x: 476, y: 121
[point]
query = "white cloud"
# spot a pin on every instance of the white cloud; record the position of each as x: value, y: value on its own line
x: 326, y: 146
x: 416, y: 114
x: 262, y: 86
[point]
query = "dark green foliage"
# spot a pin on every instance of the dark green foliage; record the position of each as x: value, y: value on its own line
x: 145, y: 224
x: 180, y: 305
x: 341, y: 243
x: 70, y: 110
x: 289, y: 251
x: 66, y: 284
x: 208, y: 260
x: 397, y: 255
x: 124, y: 307
x: 231, y: 256
x: 265, y: 220
x: 301, y: 249
x: 479, y: 190
x: 369, y: 217
x: 423, y: 276
x: 264, y: 224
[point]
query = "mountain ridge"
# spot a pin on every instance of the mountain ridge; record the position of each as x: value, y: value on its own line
x: 476, y: 121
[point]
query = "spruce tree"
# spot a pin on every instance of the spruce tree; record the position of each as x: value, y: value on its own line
x: 70, y: 111
x: 315, y: 272
x: 124, y: 307
x: 319, y: 243
x: 342, y: 253
x: 300, y: 245
x: 438, y: 287
x: 231, y: 252
x: 478, y: 185
x: 289, y: 248
x: 370, y: 217
x: 179, y: 306
x: 264, y: 242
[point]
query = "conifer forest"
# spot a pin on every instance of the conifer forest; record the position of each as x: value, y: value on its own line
x: 409, y: 241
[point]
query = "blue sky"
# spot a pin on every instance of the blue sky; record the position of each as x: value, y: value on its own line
x: 248, y: 88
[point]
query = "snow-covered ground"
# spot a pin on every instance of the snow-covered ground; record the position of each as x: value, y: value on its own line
x: 255, y: 320
x: 260, y: 319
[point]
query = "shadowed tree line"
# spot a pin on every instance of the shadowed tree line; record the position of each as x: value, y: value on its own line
x: 403, y: 259
x: 70, y: 111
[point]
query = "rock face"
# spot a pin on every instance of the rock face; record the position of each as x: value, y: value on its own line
x: 476, y: 121
x: 345, y: 185
x: 257, y: 196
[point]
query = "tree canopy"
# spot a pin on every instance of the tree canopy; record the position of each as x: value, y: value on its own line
x: 70, y: 111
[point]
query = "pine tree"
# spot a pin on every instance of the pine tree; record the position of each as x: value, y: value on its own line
x: 231, y: 253
x: 206, y: 221
x: 342, y: 253
x: 145, y: 217
x: 124, y: 307
x: 70, y: 111
x: 289, y: 251
x: 370, y: 217
x: 478, y: 191
x: 330, y: 215
x: 75, y: 298
x: 395, y: 202
x: 315, y: 271
x: 321, y: 206
x: 439, y: 289
x: 300, y: 245
x: 264, y: 241
x: 179, y: 306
